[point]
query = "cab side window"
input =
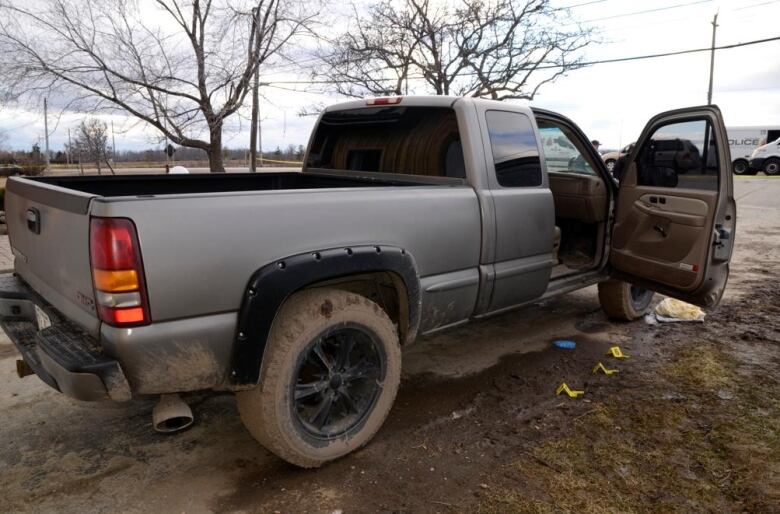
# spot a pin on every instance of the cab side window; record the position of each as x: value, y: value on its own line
x: 515, y: 153
x: 681, y: 155
x: 561, y: 151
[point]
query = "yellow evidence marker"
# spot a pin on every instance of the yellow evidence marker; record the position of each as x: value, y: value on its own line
x: 603, y: 369
x: 563, y: 388
x: 617, y: 353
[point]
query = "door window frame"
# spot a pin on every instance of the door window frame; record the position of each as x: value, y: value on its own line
x: 600, y: 167
x: 645, y: 138
x: 611, y: 184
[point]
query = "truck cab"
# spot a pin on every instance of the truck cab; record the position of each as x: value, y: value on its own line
x: 551, y: 215
x: 766, y: 158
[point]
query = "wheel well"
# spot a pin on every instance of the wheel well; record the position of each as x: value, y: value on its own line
x: 385, y: 288
x: 384, y: 273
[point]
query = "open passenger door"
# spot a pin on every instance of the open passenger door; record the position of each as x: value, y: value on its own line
x: 675, y: 212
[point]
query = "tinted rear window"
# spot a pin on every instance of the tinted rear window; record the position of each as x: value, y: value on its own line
x: 394, y: 139
x: 515, y: 153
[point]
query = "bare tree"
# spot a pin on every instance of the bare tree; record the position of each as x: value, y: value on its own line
x: 91, y: 143
x: 182, y: 66
x: 498, y: 49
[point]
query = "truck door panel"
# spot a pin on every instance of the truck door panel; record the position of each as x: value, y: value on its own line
x: 675, y: 217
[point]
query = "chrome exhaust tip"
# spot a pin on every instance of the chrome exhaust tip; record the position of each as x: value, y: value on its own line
x: 171, y: 415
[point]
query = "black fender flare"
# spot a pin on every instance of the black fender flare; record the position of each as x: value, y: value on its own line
x: 270, y: 286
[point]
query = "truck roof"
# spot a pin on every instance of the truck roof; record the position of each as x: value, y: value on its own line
x: 419, y: 101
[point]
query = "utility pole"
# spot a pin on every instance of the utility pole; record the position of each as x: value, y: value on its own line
x: 113, y: 140
x: 254, y: 133
x: 70, y: 149
x: 712, y: 57
x: 255, y: 108
x: 46, y: 129
x: 259, y: 138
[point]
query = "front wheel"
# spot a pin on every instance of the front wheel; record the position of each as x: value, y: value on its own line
x: 772, y: 166
x: 330, y: 374
x: 624, y: 301
x: 741, y: 167
x: 611, y: 165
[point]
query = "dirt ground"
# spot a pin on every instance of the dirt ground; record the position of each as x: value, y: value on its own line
x: 690, y: 423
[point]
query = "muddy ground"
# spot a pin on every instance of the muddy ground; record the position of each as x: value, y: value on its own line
x: 690, y: 423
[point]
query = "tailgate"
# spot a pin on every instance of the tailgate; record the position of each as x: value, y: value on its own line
x: 48, y: 228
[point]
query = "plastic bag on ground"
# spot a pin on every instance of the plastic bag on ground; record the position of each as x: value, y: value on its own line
x: 672, y: 310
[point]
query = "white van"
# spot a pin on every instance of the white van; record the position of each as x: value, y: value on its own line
x: 766, y: 158
x: 744, y: 140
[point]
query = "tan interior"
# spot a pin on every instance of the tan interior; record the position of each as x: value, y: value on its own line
x: 580, y: 215
x: 662, y: 233
x: 578, y: 196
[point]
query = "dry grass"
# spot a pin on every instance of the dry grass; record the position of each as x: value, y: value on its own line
x: 671, y: 446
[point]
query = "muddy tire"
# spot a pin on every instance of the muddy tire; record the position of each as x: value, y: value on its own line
x: 330, y: 374
x: 623, y: 301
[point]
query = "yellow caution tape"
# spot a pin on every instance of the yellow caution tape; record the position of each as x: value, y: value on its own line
x: 600, y: 367
x: 617, y: 353
x: 563, y: 388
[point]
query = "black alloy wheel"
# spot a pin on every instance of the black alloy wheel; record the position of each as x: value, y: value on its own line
x: 338, y: 381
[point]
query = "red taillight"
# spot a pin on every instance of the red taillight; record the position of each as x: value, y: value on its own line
x: 117, y: 272
x: 386, y: 100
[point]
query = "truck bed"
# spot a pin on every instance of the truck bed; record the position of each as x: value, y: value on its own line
x: 142, y: 185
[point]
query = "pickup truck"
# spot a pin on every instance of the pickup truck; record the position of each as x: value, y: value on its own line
x: 299, y: 290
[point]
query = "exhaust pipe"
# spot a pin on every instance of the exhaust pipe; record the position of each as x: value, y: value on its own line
x: 171, y: 415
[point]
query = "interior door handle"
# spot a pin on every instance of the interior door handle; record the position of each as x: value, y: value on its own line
x: 661, y: 230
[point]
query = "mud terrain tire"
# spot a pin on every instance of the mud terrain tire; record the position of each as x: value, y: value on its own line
x: 312, y: 322
x: 618, y: 302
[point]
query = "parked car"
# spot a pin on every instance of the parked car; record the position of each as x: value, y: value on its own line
x: 299, y: 291
x: 766, y: 158
x: 611, y: 158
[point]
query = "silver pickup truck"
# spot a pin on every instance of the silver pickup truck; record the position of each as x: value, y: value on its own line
x: 298, y: 291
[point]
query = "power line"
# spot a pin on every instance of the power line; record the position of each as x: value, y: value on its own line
x: 648, y: 11
x: 669, y: 54
x: 583, y: 4
x: 738, y: 89
x: 754, y: 5
x: 555, y: 66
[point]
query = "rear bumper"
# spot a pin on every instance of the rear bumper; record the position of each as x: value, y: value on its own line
x: 756, y: 164
x: 59, y: 352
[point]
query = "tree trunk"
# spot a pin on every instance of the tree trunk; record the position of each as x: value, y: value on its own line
x: 216, y: 164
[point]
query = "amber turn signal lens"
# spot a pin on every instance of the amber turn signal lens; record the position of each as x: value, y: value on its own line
x: 116, y: 281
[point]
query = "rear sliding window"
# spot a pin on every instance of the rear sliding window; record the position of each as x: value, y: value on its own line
x: 390, y: 139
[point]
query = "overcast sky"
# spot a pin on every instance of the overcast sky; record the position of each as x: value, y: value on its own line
x: 610, y: 102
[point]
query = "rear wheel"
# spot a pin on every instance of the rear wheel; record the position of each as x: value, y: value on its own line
x: 330, y: 375
x: 624, y: 301
x: 741, y: 167
x: 772, y: 166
